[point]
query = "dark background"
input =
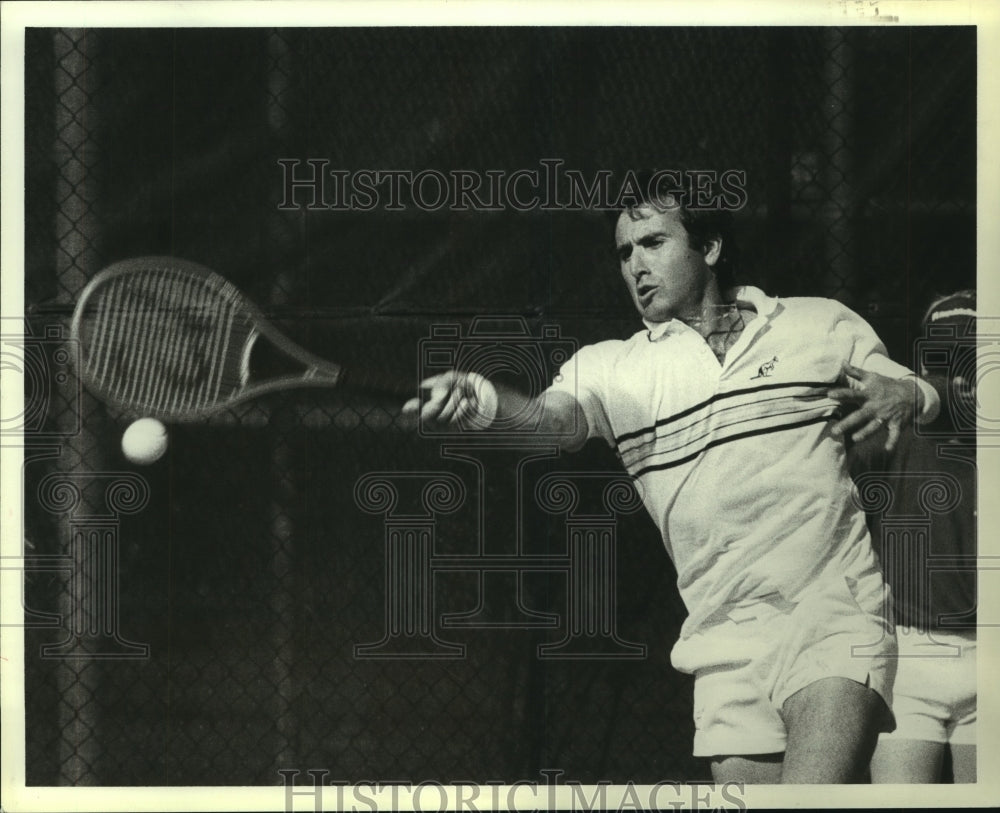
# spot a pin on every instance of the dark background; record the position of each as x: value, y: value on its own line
x: 252, y: 572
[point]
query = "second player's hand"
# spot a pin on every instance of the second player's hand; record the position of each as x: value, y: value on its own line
x: 455, y: 397
x: 881, y: 401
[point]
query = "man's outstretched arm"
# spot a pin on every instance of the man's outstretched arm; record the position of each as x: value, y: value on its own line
x: 472, y: 401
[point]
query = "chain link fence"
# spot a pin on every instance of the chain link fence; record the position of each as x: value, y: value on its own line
x: 233, y: 610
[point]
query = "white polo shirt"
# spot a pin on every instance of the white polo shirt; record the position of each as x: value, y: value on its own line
x: 735, y: 462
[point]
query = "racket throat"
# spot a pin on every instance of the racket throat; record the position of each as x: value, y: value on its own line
x: 264, y: 361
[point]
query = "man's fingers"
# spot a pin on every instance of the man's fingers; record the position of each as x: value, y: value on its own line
x: 856, y: 378
x: 882, y: 402
x: 860, y: 425
x: 419, y: 403
x: 440, y: 388
x: 893, y: 438
x: 853, y: 372
x: 461, y: 399
x: 430, y: 410
x: 466, y: 409
x: 846, y: 395
x: 452, y: 402
x: 452, y: 397
x: 437, y: 407
x: 867, y: 430
x: 846, y: 426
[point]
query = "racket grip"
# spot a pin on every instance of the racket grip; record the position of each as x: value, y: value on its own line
x: 376, y: 383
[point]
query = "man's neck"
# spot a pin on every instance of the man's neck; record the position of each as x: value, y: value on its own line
x: 712, y: 315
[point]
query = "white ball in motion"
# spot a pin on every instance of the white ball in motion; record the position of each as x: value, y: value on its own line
x: 145, y: 441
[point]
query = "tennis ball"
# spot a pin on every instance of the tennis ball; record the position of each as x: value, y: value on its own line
x: 145, y: 441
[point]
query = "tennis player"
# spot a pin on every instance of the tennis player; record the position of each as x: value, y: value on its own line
x: 935, y: 694
x: 727, y: 409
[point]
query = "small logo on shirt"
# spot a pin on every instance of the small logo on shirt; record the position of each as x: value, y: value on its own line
x: 765, y: 369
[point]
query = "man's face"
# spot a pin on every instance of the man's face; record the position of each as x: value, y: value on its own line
x: 665, y: 276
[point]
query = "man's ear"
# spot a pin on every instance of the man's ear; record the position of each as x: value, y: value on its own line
x: 712, y: 249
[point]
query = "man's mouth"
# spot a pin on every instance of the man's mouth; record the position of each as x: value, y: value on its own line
x: 645, y: 291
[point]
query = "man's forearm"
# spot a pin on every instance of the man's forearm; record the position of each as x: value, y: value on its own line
x: 551, y: 417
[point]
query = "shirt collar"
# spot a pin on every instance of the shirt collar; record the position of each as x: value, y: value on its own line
x: 747, y: 296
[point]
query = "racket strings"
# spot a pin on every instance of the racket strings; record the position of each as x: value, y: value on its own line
x: 167, y: 342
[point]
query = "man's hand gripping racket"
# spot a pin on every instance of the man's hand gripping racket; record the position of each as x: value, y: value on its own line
x: 463, y: 398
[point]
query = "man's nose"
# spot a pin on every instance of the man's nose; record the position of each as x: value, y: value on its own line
x: 637, y: 264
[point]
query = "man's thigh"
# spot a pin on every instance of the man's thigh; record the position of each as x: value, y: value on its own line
x: 748, y: 667
x: 833, y: 725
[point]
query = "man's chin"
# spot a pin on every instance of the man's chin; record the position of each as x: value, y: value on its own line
x: 651, y: 313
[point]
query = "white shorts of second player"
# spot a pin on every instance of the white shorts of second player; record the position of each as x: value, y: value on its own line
x: 935, y: 693
x: 748, y: 663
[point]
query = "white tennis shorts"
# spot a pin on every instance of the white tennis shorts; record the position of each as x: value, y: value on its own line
x: 749, y: 663
x: 935, y: 692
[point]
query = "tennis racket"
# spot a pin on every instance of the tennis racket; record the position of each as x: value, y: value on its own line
x: 170, y: 339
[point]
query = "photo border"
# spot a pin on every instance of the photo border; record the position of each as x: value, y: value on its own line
x: 238, y: 13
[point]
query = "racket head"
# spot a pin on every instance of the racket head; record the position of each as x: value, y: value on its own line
x: 165, y: 337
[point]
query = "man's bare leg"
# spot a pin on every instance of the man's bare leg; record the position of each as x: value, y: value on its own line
x: 907, y: 762
x: 963, y: 762
x: 761, y: 769
x: 833, y: 725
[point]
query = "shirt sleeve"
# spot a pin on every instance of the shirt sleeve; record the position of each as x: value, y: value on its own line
x: 584, y: 376
x: 869, y: 353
